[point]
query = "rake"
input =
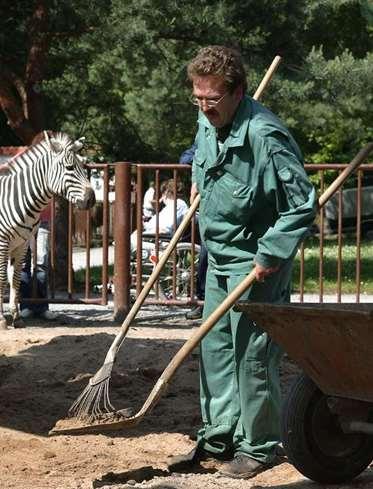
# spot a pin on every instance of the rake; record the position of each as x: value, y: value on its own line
x: 162, y: 383
x: 94, y: 401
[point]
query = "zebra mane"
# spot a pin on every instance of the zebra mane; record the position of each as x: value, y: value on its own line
x: 59, y: 137
x: 8, y: 164
x: 40, y: 147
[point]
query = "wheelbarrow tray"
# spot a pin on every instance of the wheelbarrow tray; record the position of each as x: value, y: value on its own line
x: 332, y: 343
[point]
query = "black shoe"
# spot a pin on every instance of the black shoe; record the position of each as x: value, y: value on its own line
x: 195, y: 313
x: 242, y: 467
x: 179, y: 463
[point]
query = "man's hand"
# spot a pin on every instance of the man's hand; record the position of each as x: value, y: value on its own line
x: 261, y: 273
x: 193, y: 192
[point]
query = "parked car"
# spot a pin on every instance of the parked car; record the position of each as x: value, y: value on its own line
x: 349, y: 210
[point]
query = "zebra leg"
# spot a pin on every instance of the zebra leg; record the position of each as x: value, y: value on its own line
x: 4, y: 257
x: 17, y: 258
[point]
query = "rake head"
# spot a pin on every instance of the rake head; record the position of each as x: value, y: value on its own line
x: 94, y: 401
x: 109, y: 421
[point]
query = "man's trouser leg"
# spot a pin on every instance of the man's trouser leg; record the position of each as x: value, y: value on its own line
x: 25, y: 284
x: 42, y: 267
x: 240, y: 394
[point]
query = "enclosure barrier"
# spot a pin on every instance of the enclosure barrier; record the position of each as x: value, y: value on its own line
x: 90, y: 251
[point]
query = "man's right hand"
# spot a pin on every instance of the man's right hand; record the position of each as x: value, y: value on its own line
x: 261, y: 272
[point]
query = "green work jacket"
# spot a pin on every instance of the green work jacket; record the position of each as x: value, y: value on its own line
x: 257, y: 202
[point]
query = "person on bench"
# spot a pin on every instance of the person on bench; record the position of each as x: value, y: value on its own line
x: 168, y: 218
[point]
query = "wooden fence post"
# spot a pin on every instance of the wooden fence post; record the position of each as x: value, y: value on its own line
x: 122, y: 232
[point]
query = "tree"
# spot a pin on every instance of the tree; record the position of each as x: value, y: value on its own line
x: 28, y: 32
x: 20, y: 95
x: 116, y: 70
x: 28, y: 36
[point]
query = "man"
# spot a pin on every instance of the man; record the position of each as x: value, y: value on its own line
x: 256, y: 206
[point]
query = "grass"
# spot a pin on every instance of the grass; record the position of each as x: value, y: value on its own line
x: 96, y: 276
x: 330, y: 266
x: 311, y: 273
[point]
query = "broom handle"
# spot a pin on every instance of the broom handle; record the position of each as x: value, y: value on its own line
x: 178, y: 233
x: 228, y: 302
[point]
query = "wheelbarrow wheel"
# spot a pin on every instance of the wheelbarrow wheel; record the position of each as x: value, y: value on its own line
x: 313, y: 440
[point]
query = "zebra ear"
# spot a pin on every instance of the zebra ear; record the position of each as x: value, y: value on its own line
x: 55, y: 145
x: 47, y: 138
x: 78, y: 144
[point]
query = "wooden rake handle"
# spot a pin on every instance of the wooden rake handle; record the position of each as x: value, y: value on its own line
x: 332, y: 189
x: 267, y: 77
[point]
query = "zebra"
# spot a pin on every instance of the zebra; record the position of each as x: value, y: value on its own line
x: 50, y: 167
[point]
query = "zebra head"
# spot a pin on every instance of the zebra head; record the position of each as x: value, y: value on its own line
x: 67, y: 176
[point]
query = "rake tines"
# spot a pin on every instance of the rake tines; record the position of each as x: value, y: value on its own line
x: 93, y: 402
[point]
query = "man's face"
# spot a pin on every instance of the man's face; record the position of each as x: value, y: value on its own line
x: 212, y: 88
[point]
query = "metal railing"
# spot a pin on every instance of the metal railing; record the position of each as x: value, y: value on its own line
x: 351, y: 222
x: 121, y: 217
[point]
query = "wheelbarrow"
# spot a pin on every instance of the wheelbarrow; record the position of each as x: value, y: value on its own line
x: 327, y: 417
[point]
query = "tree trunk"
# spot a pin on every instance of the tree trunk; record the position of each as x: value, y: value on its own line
x: 36, y: 64
x: 61, y: 256
x: 21, y: 98
x: 22, y: 101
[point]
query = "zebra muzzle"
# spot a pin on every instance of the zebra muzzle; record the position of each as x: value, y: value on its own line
x: 88, y: 201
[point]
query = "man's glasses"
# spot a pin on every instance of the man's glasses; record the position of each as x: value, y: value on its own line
x: 209, y: 102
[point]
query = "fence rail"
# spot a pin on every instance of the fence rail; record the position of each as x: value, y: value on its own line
x: 98, y: 241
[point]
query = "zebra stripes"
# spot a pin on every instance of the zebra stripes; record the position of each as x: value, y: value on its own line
x: 51, y: 167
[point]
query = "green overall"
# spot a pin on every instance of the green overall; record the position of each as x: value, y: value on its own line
x: 257, y: 204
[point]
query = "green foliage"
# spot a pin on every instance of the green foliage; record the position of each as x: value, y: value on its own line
x: 117, y: 70
x: 311, y: 264
x: 330, y: 267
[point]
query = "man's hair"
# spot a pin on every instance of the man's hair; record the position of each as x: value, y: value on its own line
x: 221, y: 61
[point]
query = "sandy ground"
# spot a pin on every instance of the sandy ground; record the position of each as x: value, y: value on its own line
x: 44, y: 367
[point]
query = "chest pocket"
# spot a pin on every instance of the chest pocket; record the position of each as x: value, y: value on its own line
x: 232, y: 198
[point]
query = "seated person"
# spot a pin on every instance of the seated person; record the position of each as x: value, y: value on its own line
x: 148, y: 209
x: 166, y: 217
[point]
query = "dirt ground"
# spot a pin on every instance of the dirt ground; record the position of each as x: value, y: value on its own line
x: 44, y: 367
